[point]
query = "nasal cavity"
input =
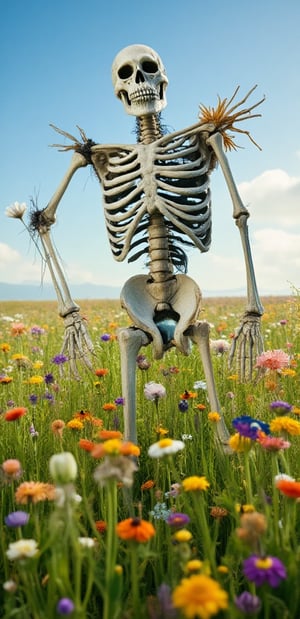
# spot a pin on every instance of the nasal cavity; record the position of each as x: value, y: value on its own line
x: 139, y: 77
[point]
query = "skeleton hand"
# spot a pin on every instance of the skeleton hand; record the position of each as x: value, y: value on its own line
x: 247, y: 345
x: 77, y: 344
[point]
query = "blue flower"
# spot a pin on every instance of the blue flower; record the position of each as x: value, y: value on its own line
x: 248, y: 603
x: 65, y: 606
x: 59, y: 359
x: 183, y: 406
x: 17, y: 519
x: 249, y: 428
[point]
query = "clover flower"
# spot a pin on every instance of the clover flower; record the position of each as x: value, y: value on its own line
x: 199, y: 596
x: 154, y: 391
x: 165, y: 447
x: 22, y: 549
x: 268, y: 569
x: 16, y: 519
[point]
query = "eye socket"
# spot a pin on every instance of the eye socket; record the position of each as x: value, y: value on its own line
x: 125, y: 72
x: 149, y: 66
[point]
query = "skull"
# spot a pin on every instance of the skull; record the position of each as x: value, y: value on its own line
x: 139, y: 80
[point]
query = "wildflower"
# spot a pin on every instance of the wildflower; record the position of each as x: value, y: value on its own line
x: 195, y: 483
x: 161, y: 431
x: 12, y: 468
x: 17, y: 328
x: 153, y: 391
x: 142, y: 362
x: 22, y: 549
x: 63, y: 467
x: 214, y: 417
x: 59, y: 359
x: 240, y: 443
x: 273, y: 360
x: 49, y: 378
x: 105, y: 337
x: 222, y: 569
x: 178, y: 520
x: 15, y: 413
x: 186, y: 437
x: 288, y: 372
x: 101, y: 372
x: 289, y: 488
x: 33, y: 492
x: 57, y: 426
x: 87, y: 542
x: 75, y: 424
x: 188, y: 395
x: 248, y: 603
x: 200, y: 407
x: 194, y: 565
x: 183, y: 406
x: 253, y: 526
x: 21, y: 361
x: 101, y: 526
x: 135, y: 529
x: 268, y: 569
x: 5, y: 380
x: 120, y: 468
x: 65, y: 606
x: 272, y: 443
x: 165, y: 447
x: 174, y: 491
x: 16, y: 519
x: 248, y: 427
x: 10, y: 586
x: 281, y: 476
x: 148, y: 485
x: 280, y: 407
x: 109, y: 406
x: 5, y: 347
x: 108, y: 434
x: 33, y: 398
x: 165, y: 602
x: 86, y: 445
x: 219, y: 347
x: 35, y: 380
x: 218, y: 512
x: 36, y: 330
x: 120, y: 401
x: 285, y: 424
x: 199, y: 596
x: 160, y: 512
x: 16, y: 210
x: 182, y: 536
x: 245, y: 508
x: 200, y: 384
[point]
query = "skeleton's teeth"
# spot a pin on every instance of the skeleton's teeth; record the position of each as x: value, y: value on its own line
x: 143, y: 95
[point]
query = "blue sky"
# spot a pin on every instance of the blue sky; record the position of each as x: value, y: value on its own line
x: 56, y: 68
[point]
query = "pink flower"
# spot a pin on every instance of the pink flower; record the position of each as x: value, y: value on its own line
x: 273, y: 360
x: 154, y: 391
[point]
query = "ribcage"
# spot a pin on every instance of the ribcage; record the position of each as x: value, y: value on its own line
x: 169, y: 175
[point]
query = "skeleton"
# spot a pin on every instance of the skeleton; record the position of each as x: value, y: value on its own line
x: 157, y: 199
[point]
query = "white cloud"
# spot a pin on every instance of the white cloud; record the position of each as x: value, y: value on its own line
x: 273, y: 198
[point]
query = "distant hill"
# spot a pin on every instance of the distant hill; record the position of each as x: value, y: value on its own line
x: 46, y: 292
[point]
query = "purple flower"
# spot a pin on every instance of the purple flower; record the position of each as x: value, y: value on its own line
x: 119, y: 401
x: 59, y: 359
x: 248, y: 603
x: 280, y: 407
x: 142, y: 362
x: 249, y: 427
x: 264, y: 569
x: 65, y: 606
x: 33, y: 399
x: 183, y: 406
x: 178, y: 520
x: 48, y: 396
x: 33, y: 431
x: 165, y: 601
x: 49, y: 379
x: 36, y: 330
x: 153, y: 391
x: 105, y: 337
x: 17, y: 519
x: 116, y: 422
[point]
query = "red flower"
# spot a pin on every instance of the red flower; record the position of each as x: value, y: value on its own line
x: 15, y: 413
x: 289, y: 488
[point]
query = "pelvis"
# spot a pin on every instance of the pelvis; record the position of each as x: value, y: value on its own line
x: 166, y: 323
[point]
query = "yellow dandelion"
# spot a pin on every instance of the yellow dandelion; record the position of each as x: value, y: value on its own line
x: 240, y: 443
x: 194, y: 565
x: 285, y: 424
x: 199, y: 596
x: 195, y: 483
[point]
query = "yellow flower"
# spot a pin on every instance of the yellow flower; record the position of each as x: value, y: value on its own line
x: 240, y: 443
x: 246, y: 508
x: 194, y: 565
x: 285, y: 424
x: 214, y: 417
x: 5, y: 347
x: 162, y: 431
x: 222, y: 569
x: 199, y: 596
x: 233, y: 377
x: 190, y: 484
x: 296, y: 410
x: 75, y: 424
x: 35, y: 380
x: 38, y: 365
x: 183, y: 535
x: 288, y: 372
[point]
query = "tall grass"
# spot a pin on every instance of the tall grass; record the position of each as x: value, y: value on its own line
x: 82, y: 566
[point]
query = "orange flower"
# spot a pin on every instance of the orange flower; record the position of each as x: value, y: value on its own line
x: 57, y: 426
x: 135, y: 529
x: 5, y: 347
x: 101, y: 526
x: 83, y: 415
x: 85, y: 444
x: 12, y: 468
x: 147, y: 485
x: 18, y: 328
x: 109, y: 406
x: 106, y: 434
x: 200, y: 407
x: 15, y: 413
x: 33, y: 492
x: 96, y: 422
x: 188, y: 395
x: 289, y: 488
x: 5, y: 380
x: 101, y: 372
x: 129, y: 449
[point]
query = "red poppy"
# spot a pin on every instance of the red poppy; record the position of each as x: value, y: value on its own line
x: 15, y: 413
x: 289, y: 488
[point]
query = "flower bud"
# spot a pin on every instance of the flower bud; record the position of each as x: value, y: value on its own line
x: 63, y: 467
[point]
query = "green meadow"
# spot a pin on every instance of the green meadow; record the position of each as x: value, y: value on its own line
x: 93, y: 526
